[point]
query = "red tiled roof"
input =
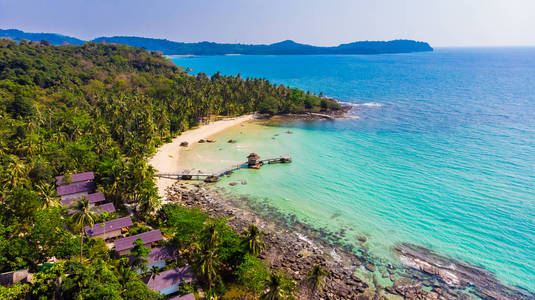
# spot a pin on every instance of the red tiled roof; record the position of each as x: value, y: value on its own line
x: 171, y: 277
x: 93, y: 198
x: 147, y: 237
x: 108, y: 226
x: 76, y: 188
x: 76, y: 178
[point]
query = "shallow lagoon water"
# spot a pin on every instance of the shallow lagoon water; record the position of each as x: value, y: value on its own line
x: 443, y: 154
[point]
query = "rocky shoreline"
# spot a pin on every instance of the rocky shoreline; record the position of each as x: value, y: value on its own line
x: 311, y: 116
x: 458, y: 274
x: 295, y: 247
x: 285, y: 250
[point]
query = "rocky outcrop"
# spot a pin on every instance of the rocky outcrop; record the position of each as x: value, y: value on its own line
x: 293, y: 252
x: 458, y: 274
x: 295, y: 247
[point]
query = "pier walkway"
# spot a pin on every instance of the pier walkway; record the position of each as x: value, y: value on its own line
x: 253, y: 164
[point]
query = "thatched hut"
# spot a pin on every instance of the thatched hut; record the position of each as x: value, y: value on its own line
x: 186, y: 175
x: 252, y: 159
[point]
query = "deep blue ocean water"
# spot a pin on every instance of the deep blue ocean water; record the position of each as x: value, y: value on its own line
x: 442, y: 154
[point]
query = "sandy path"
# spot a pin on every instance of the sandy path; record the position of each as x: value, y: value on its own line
x: 166, y: 158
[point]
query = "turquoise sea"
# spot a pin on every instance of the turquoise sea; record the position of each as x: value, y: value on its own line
x: 442, y: 153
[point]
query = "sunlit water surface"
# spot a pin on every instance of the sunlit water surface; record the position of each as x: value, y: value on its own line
x: 443, y: 154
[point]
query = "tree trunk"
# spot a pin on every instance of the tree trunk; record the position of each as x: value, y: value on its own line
x: 81, y: 244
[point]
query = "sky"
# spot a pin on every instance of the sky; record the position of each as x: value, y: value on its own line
x: 442, y: 23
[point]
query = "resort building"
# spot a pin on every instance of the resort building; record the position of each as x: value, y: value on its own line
x: 75, y: 178
x: 75, y: 190
x: 93, y: 198
x: 109, y: 229
x: 168, y: 282
x: 12, y: 277
x: 158, y: 257
x: 252, y: 159
x: 189, y: 296
x: 124, y: 245
x: 106, y: 207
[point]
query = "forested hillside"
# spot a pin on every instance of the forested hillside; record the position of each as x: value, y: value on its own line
x: 287, y: 47
x: 68, y: 109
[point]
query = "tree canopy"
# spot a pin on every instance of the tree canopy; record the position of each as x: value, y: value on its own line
x: 105, y: 108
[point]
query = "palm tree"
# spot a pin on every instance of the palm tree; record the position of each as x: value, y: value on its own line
x: 154, y: 271
x: 207, y: 265
x: 15, y: 173
x: 48, y: 193
x: 124, y: 272
x: 279, y: 287
x: 84, y: 215
x: 252, y: 240
x: 112, y: 173
x: 148, y: 201
x: 210, y: 237
x: 208, y: 261
x: 316, y: 278
x: 3, y: 147
x: 140, y: 254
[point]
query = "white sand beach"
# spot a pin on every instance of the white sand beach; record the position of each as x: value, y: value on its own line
x: 166, y: 158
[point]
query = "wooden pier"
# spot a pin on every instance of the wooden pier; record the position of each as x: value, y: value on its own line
x: 254, y: 162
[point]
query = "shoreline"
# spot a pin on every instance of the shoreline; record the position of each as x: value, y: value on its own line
x: 293, y: 246
x: 167, y: 159
x: 422, y: 276
x: 304, y: 251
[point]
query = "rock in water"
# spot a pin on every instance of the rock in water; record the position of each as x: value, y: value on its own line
x: 370, y: 267
x: 458, y: 274
x: 211, y: 179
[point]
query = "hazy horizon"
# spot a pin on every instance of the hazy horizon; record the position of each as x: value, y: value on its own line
x: 480, y: 23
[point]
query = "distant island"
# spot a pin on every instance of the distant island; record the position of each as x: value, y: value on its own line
x: 287, y: 47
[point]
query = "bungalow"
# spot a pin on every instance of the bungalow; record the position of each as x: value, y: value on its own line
x: 189, y: 296
x: 108, y: 207
x: 75, y: 190
x: 12, y: 277
x: 80, y: 177
x: 158, y: 257
x: 93, y: 198
x: 253, y: 161
x: 168, y: 282
x: 109, y: 229
x: 124, y: 245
